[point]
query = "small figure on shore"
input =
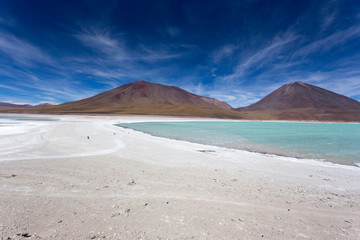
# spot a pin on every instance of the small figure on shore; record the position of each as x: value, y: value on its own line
x: 88, y: 137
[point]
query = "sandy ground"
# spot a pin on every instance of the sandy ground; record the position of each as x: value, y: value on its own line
x: 121, y: 184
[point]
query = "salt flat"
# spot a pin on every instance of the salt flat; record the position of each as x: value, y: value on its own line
x: 56, y: 183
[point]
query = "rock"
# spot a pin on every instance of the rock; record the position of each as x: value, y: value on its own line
x: 25, y: 235
x: 132, y: 183
x: 206, y: 151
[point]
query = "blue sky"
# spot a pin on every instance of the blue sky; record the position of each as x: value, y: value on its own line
x: 235, y: 51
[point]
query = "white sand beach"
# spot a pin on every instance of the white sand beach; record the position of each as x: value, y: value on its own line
x: 56, y: 183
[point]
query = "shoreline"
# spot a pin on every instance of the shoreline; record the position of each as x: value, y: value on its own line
x: 158, y: 188
x: 175, y: 117
x: 321, y: 161
x: 145, y: 119
x: 310, y: 161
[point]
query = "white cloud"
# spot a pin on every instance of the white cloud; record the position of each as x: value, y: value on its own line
x: 254, y: 59
x: 223, y: 53
x: 102, y: 43
x: 173, y: 31
x: 329, y: 42
x: 231, y: 95
x: 59, y: 89
x: 114, y: 49
x: 329, y: 13
x: 22, y: 51
x: 10, y: 87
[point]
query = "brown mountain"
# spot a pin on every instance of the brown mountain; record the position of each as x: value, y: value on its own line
x: 143, y: 97
x: 7, y: 106
x: 294, y: 101
x: 301, y: 101
x: 43, y: 105
x: 4, y: 106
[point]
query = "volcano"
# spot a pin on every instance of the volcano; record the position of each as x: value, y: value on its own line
x: 301, y: 101
x: 143, y: 97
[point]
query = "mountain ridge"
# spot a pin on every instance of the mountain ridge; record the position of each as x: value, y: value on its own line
x: 294, y: 101
x: 6, y: 106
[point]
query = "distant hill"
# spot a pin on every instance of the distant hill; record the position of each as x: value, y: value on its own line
x: 143, y: 97
x: 301, y: 101
x: 7, y: 106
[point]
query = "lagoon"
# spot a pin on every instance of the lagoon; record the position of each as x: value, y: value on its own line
x: 333, y: 142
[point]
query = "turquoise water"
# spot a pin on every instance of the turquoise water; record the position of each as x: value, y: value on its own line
x: 334, y: 142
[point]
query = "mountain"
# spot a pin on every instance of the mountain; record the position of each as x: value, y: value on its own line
x: 6, y: 106
x: 43, y: 105
x: 301, y: 101
x: 294, y: 101
x: 143, y: 97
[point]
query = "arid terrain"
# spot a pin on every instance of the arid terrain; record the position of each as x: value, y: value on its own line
x: 55, y: 183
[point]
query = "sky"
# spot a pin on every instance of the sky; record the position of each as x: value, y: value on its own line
x: 236, y: 51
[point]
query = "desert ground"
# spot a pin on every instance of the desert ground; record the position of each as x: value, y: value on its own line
x: 81, y: 177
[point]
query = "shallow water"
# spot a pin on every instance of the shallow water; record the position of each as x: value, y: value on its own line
x: 334, y: 142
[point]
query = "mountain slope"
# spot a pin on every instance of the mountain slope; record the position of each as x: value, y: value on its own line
x: 142, y: 93
x: 6, y: 106
x: 142, y: 97
x: 301, y: 101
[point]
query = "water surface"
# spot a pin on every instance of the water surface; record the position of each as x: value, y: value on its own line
x: 334, y: 142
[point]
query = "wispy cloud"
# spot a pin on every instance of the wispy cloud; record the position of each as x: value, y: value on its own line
x: 152, y: 55
x: 240, y: 64
x: 245, y: 98
x: 112, y: 74
x: 22, y: 51
x: 8, y: 21
x: 112, y: 61
x: 329, y: 12
x: 254, y: 59
x: 233, y: 96
x: 114, y: 48
x: 101, y: 42
x: 329, y: 42
x: 66, y: 91
x: 223, y: 53
x: 173, y: 31
x: 10, y: 87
